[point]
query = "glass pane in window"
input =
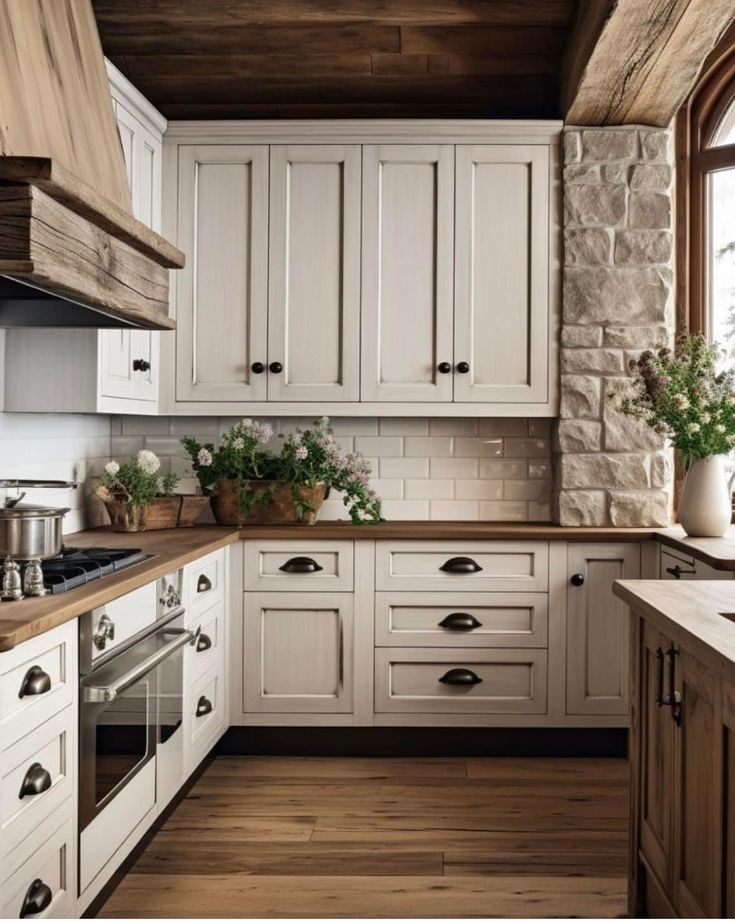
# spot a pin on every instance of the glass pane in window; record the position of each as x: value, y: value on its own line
x: 721, y: 259
x: 725, y: 133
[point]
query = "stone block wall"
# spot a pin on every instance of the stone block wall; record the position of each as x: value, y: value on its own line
x: 617, y: 301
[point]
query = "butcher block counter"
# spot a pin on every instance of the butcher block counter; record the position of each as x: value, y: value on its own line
x: 171, y: 549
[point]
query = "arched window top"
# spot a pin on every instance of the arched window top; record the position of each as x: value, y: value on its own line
x: 724, y: 129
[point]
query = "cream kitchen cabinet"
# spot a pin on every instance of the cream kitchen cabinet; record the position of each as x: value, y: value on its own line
x: 104, y: 371
x: 363, y: 268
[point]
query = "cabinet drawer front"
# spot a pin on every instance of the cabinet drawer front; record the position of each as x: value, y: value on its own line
x: 205, y: 579
x: 205, y: 718
x: 319, y: 566
x: 410, y: 681
x: 129, y: 614
x: 25, y: 672
x: 471, y: 619
x: 45, y: 756
x: 209, y: 650
x: 516, y: 566
x: 52, y: 864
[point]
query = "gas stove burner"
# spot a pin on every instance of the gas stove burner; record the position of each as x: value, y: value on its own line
x: 77, y: 566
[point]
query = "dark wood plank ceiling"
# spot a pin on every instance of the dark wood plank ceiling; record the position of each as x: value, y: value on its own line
x: 340, y: 58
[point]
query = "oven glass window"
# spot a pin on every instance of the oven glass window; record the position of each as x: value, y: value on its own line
x: 122, y: 732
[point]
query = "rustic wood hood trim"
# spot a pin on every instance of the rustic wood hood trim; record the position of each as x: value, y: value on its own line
x: 45, y: 243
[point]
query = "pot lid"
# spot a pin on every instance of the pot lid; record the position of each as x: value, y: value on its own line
x: 30, y: 511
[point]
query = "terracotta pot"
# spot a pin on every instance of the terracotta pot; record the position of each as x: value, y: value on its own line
x: 280, y: 510
x: 192, y: 509
x: 163, y: 512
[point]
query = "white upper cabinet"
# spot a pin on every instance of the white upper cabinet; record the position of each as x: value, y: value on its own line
x: 407, y: 272
x: 314, y: 273
x: 501, y: 274
x: 221, y: 293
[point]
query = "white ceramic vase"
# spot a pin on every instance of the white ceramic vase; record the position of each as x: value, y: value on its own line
x: 706, y: 508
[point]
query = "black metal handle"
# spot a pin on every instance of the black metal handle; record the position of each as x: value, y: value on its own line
x: 38, y: 897
x: 460, y: 621
x: 463, y: 367
x: 460, y: 677
x: 444, y: 367
x: 577, y: 579
x: 460, y: 565
x: 204, y: 706
x: 660, y: 700
x: 37, y: 780
x: 204, y: 583
x: 35, y: 682
x: 257, y: 368
x: 141, y: 365
x: 674, y: 701
x: 300, y: 565
x: 677, y: 572
x: 204, y: 642
x: 276, y: 368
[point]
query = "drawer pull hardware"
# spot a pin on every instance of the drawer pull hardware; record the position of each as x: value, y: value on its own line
x: 204, y: 706
x: 460, y: 621
x: 301, y: 565
x: 38, y: 897
x: 460, y: 677
x: 37, y: 780
x: 444, y: 367
x: 660, y: 700
x: 577, y: 579
x: 463, y: 367
x: 203, y: 643
x: 204, y: 583
x: 674, y: 701
x: 35, y: 682
x: 460, y: 565
x: 257, y: 368
x: 677, y: 572
x: 104, y: 631
x: 276, y: 368
x: 141, y: 365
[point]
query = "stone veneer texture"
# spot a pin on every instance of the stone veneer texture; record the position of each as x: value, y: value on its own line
x: 617, y: 301
x: 441, y: 469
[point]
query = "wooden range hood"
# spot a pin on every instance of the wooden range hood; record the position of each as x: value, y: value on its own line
x: 71, y: 253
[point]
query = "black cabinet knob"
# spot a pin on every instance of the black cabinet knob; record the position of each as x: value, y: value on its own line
x: 204, y: 583
x: 276, y: 368
x: 460, y: 565
x: 460, y: 677
x: 300, y: 565
x: 460, y: 621
x: 577, y: 579
x: 444, y: 367
x: 204, y: 642
x: 37, y: 780
x: 35, y: 682
x: 257, y: 368
x: 204, y: 706
x: 141, y: 365
x: 463, y: 367
x: 38, y: 897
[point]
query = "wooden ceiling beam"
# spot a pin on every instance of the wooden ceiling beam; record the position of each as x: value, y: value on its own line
x: 635, y: 61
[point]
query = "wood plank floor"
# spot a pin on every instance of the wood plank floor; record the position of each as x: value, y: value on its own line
x: 371, y: 838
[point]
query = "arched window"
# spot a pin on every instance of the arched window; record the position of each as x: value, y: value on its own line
x: 706, y: 201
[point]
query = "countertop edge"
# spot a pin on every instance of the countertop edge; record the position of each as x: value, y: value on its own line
x: 685, y: 545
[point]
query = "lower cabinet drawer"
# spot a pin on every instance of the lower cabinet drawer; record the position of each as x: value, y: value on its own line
x: 45, y: 881
x: 205, y: 719
x: 460, y: 681
x: 461, y: 619
x: 208, y: 651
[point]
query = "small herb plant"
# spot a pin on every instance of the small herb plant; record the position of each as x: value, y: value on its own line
x: 137, y: 480
x: 683, y: 396
x: 308, y: 457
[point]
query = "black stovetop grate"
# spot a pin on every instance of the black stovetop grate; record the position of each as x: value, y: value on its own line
x: 76, y: 566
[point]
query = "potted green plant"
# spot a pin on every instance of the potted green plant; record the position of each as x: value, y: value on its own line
x: 251, y: 484
x: 128, y: 489
x: 683, y: 396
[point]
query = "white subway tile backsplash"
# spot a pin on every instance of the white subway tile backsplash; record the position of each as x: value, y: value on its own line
x: 389, y: 488
x: 503, y: 511
x: 453, y: 511
x: 451, y: 426
x: 429, y: 489
x: 478, y: 448
x: 379, y: 447
x: 356, y: 426
x: 147, y: 425
x: 439, y: 447
x: 526, y: 489
x: 539, y: 469
x: 453, y: 467
x: 406, y: 509
x: 404, y: 467
x: 502, y: 427
x: 479, y: 489
x: 526, y: 448
x: 503, y: 470
x: 400, y: 425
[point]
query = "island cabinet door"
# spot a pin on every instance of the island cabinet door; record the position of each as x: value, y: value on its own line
x: 598, y: 628
x: 502, y: 274
x: 656, y: 760
x: 298, y: 652
x: 221, y: 293
x: 697, y: 798
x: 728, y: 755
x: 407, y: 273
x: 314, y: 273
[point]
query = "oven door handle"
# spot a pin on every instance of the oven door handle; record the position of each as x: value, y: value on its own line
x: 96, y: 694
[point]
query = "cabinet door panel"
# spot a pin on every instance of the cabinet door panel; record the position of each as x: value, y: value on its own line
x: 222, y: 291
x: 314, y: 273
x: 502, y: 273
x: 298, y: 652
x: 598, y: 628
x: 407, y: 299
x: 728, y: 755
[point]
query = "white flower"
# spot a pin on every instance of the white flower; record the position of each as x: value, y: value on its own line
x: 112, y: 467
x: 324, y: 420
x: 264, y: 433
x: 302, y: 452
x: 204, y: 457
x: 694, y: 428
x: 238, y: 443
x: 247, y: 423
x: 147, y: 461
x: 705, y: 418
x: 719, y: 428
x: 680, y: 401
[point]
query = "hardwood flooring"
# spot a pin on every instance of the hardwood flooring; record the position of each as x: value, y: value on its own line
x: 305, y: 837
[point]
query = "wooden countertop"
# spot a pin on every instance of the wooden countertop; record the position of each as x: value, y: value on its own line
x: 719, y: 553
x: 173, y: 548
x: 691, y: 614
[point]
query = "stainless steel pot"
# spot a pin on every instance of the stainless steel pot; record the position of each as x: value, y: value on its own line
x: 28, y: 531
